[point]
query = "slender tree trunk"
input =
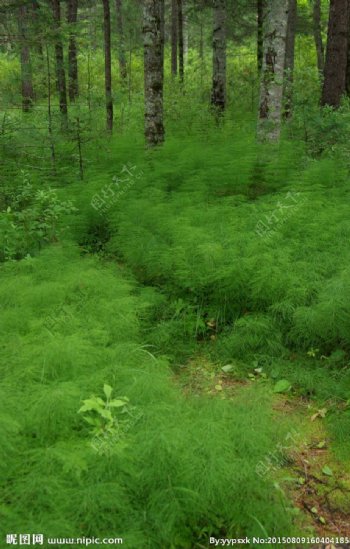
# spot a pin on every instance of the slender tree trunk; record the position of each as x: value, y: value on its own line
x: 108, y: 65
x: 185, y: 30
x: 121, y: 40
x: 154, y: 74
x: 26, y: 69
x: 318, y: 35
x: 36, y: 25
x: 271, y: 88
x: 218, y: 97
x: 261, y: 6
x: 60, y: 72
x: 180, y: 32
x: 289, y: 59
x: 174, y: 18
x: 72, y: 17
x: 337, y: 52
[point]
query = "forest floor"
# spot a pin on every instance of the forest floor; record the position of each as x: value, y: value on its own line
x: 309, y: 472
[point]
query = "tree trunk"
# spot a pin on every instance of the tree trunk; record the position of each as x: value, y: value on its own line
x: 121, y: 40
x: 218, y: 97
x: 37, y: 30
x: 289, y: 59
x: 26, y: 69
x: 72, y: 17
x: 108, y: 64
x: 261, y: 6
x: 174, y: 37
x: 271, y: 88
x: 337, y: 52
x: 318, y: 35
x: 60, y: 72
x: 180, y: 31
x: 154, y: 74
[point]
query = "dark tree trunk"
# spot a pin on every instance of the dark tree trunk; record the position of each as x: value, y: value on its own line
x: 174, y: 18
x: 153, y: 67
x: 60, y: 72
x: 72, y: 17
x: 289, y: 59
x: 260, y: 32
x: 318, y: 35
x: 180, y: 31
x: 337, y: 52
x: 121, y: 40
x: 108, y: 64
x: 36, y: 25
x: 26, y: 69
x: 218, y: 97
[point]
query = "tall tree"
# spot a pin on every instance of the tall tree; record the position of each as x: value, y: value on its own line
x: 121, y: 39
x: 261, y: 5
x: 60, y: 71
x: 72, y: 17
x: 334, y: 84
x: 108, y: 64
x: 180, y: 31
x: 218, y: 97
x: 271, y: 88
x: 26, y: 69
x: 289, y: 58
x: 36, y: 28
x: 174, y: 37
x: 153, y: 68
x: 318, y: 35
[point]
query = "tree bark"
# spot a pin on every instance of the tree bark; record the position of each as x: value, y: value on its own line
x: 26, y: 69
x: 36, y: 25
x: 289, y: 58
x: 60, y: 72
x: 271, y: 88
x: 218, y: 97
x: 337, y: 52
x: 318, y: 35
x: 121, y: 40
x: 174, y: 17
x: 153, y: 68
x: 261, y: 6
x: 72, y: 17
x: 180, y: 31
x: 108, y: 64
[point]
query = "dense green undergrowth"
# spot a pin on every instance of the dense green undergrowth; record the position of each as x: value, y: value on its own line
x: 212, y: 245
x: 175, y: 471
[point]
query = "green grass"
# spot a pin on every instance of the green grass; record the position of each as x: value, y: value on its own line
x: 185, y: 464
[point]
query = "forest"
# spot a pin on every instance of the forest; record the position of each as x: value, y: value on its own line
x: 174, y: 273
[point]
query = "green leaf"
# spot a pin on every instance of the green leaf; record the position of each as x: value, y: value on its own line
x: 327, y: 471
x: 282, y: 386
x: 90, y: 404
x: 228, y: 368
x: 116, y: 403
x: 321, y: 444
x: 322, y: 520
x: 314, y: 510
x: 107, y: 389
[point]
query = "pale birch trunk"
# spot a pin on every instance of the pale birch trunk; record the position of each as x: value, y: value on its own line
x: 271, y: 88
x: 153, y: 13
x: 218, y: 97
